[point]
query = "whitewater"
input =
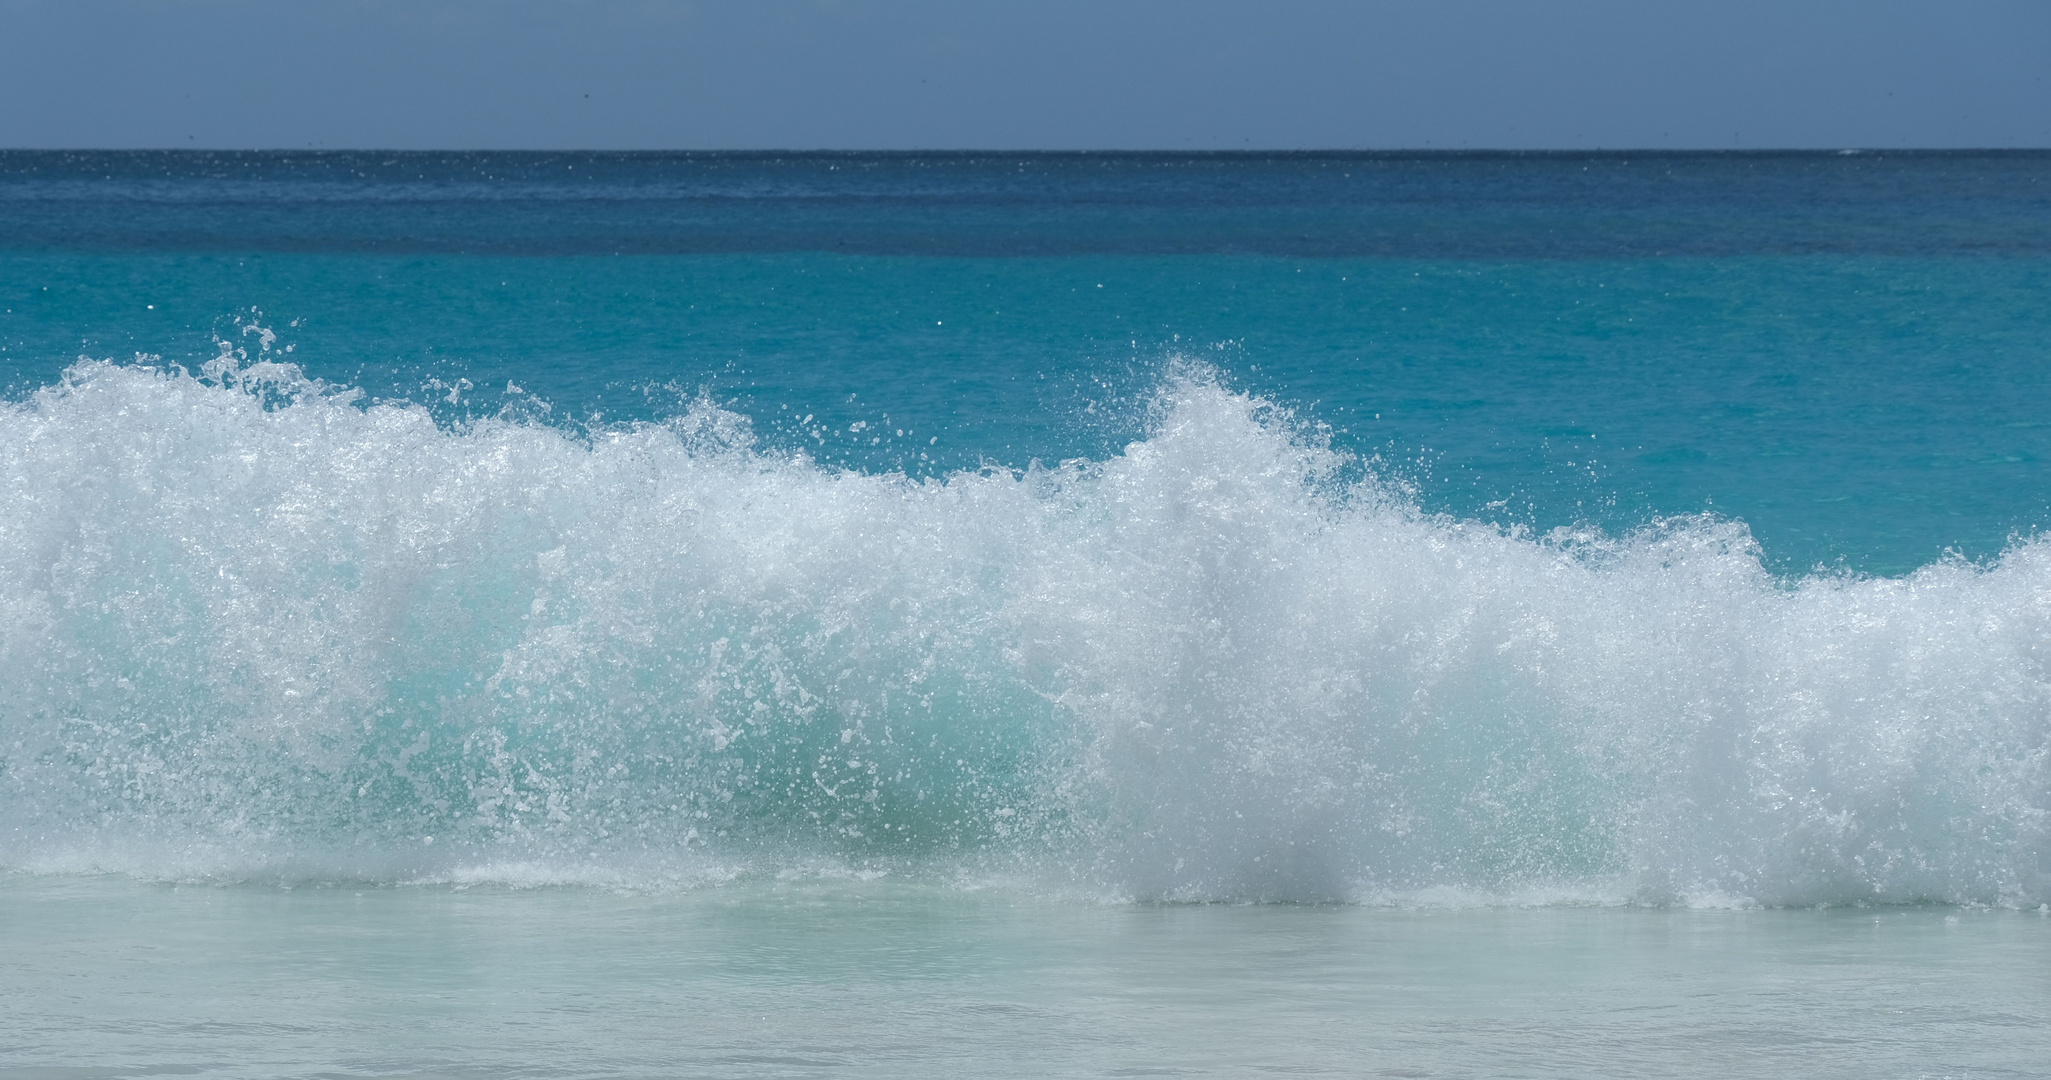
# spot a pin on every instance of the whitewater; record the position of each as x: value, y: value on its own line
x: 259, y: 627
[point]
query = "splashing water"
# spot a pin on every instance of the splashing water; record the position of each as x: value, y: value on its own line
x: 250, y: 627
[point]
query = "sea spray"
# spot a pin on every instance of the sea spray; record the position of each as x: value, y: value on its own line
x: 252, y: 627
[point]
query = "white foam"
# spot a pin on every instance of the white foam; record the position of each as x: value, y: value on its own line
x: 247, y: 623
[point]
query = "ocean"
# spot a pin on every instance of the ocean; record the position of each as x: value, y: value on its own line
x: 1550, y: 615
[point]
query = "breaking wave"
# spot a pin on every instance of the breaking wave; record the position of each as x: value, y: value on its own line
x: 253, y: 628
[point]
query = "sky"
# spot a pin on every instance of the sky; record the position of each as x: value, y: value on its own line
x: 1048, y: 74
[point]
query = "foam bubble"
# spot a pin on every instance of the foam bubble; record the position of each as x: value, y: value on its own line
x: 250, y: 627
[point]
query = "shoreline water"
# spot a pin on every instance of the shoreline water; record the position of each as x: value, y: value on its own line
x: 853, y: 979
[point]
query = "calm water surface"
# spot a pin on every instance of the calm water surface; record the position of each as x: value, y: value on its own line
x: 116, y: 978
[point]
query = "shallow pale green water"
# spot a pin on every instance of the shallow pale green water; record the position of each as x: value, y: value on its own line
x: 108, y: 977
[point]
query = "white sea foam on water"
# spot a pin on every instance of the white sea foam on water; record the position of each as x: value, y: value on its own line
x: 251, y: 628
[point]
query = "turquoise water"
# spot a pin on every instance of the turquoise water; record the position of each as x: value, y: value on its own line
x: 1451, y: 615
x: 1541, y: 393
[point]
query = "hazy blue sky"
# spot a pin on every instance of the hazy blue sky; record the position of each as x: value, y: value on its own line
x: 1047, y: 74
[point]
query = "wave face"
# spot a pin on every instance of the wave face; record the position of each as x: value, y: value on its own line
x: 250, y: 627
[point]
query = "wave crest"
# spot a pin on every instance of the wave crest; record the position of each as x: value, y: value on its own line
x: 249, y: 632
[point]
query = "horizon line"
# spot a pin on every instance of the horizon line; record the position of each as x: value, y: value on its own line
x: 1425, y: 151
